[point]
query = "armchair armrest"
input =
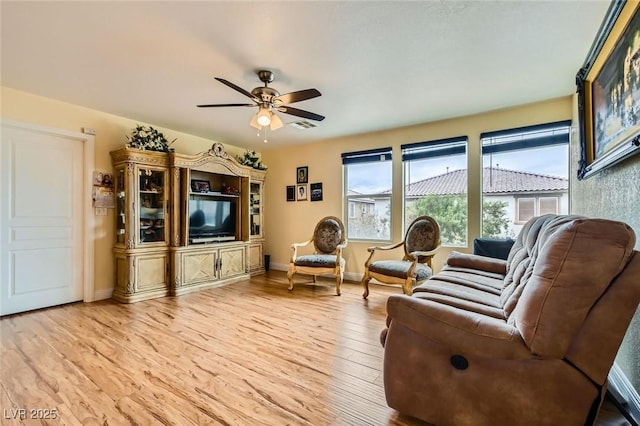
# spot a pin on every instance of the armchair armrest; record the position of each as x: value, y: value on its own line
x: 416, y: 254
x: 474, y: 261
x: 343, y: 245
x: 463, y: 331
x: 338, y: 251
x: 373, y: 249
x: 295, y: 246
x: 389, y: 247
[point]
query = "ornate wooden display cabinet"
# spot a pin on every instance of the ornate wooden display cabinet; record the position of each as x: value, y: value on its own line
x: 211, y: 190
x: 256, y: 220
x: 141, y: 247
x: 185, y: 222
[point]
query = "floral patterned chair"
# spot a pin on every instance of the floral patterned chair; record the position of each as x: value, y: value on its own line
x: 421, y: 242
x: 328, y: 241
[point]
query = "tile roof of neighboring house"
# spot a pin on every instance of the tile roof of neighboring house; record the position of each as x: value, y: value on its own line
x: 495, y: 181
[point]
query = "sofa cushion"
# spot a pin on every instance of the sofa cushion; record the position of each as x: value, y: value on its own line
x: 437, y: 285
x: 463, y: 304
x: 498, y: 248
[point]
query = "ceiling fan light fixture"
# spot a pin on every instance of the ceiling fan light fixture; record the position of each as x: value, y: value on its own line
x: 263, y: 117
x: 276, y: 122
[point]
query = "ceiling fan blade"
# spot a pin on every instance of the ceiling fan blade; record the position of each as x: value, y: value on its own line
x: 300, y: 95
x: 236, y: 88
x: 276, y: 122
x: 301, y: 113
x: 225, y: 105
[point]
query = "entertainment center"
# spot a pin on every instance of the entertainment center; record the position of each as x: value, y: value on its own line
x: 184, y: 222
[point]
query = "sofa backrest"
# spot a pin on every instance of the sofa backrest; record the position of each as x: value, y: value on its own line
x: 557, y: 270
x: 520, y: 262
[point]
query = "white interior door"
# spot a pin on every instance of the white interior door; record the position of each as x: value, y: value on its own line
x: 41, y: 219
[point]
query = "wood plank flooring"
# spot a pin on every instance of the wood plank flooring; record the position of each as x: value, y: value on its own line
x: 251, y: 353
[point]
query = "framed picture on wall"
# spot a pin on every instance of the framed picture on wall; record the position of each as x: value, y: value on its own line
x: 291, y: 193
x: 316, y: 191
x: 302, y: 174
x: 301, y: 192
x: 608, y: 84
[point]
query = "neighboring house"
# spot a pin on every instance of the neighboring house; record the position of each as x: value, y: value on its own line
x: 368, y: 216
x: 361, y: 206
x: 526, y: 194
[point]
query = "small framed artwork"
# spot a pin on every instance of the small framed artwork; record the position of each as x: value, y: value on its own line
x: 316, y: 191
x: 200, y: 185
x: 291, y: 192
x: 301, y: 192
x: 608, y: 85
x: 302, y: 174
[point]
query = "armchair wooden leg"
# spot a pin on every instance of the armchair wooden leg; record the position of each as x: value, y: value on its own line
x: 339, y: 279
x: 290, y: 276
x: 407, y: 287
x: 365, y: 283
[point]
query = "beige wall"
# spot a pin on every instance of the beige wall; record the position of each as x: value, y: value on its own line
x: 288, y: 222
x: 612, y: 194
x: 110, y: 135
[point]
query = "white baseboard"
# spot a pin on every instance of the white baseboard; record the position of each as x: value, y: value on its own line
x: 105, y: 293
x: 279, y: 266
x: 624, y: 393
x: 353, y: 276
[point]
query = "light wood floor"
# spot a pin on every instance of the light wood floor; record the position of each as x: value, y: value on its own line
x: 250, y: 353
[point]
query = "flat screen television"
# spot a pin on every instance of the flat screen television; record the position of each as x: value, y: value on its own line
x: 211, y: 219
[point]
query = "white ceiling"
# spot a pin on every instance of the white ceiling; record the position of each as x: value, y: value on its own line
x: 378, y: 65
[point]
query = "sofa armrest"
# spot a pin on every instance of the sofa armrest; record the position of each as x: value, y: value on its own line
x: 473, y: 261
x: 462, y: 331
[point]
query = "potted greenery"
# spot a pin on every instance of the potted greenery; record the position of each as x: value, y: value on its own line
x: 251, y: 159
x: 148, y: 138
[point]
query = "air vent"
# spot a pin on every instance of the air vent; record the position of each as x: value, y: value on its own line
x: 302, y: 124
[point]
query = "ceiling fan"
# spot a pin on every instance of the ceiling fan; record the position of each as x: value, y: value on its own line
x: 268, y: 100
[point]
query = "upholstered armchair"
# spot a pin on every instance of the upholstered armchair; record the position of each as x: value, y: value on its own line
x: 328, y: 241
x: 420, y: 244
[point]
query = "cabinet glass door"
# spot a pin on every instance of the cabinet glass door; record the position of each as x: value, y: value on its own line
x: 120, y: 206
x: 152, y: 205
x: 255, y: 208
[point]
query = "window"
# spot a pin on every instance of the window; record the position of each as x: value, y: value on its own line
x: 525, y: 174
x: 435, y: 184
x: 530, y: 207
x: 547, y: 205
x: 526, y: 209
x: 368, y: 181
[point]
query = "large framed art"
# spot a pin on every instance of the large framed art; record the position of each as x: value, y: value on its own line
x: 608, y: 86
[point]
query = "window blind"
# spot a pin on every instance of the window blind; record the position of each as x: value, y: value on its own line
x: 434, y: 148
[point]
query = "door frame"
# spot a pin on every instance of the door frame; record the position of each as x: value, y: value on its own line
x: 88, y: 220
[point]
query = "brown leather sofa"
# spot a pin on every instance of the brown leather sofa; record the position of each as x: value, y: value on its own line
x: 526, y: 341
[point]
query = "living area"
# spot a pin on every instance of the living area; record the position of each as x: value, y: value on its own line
x: 332, y: 356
